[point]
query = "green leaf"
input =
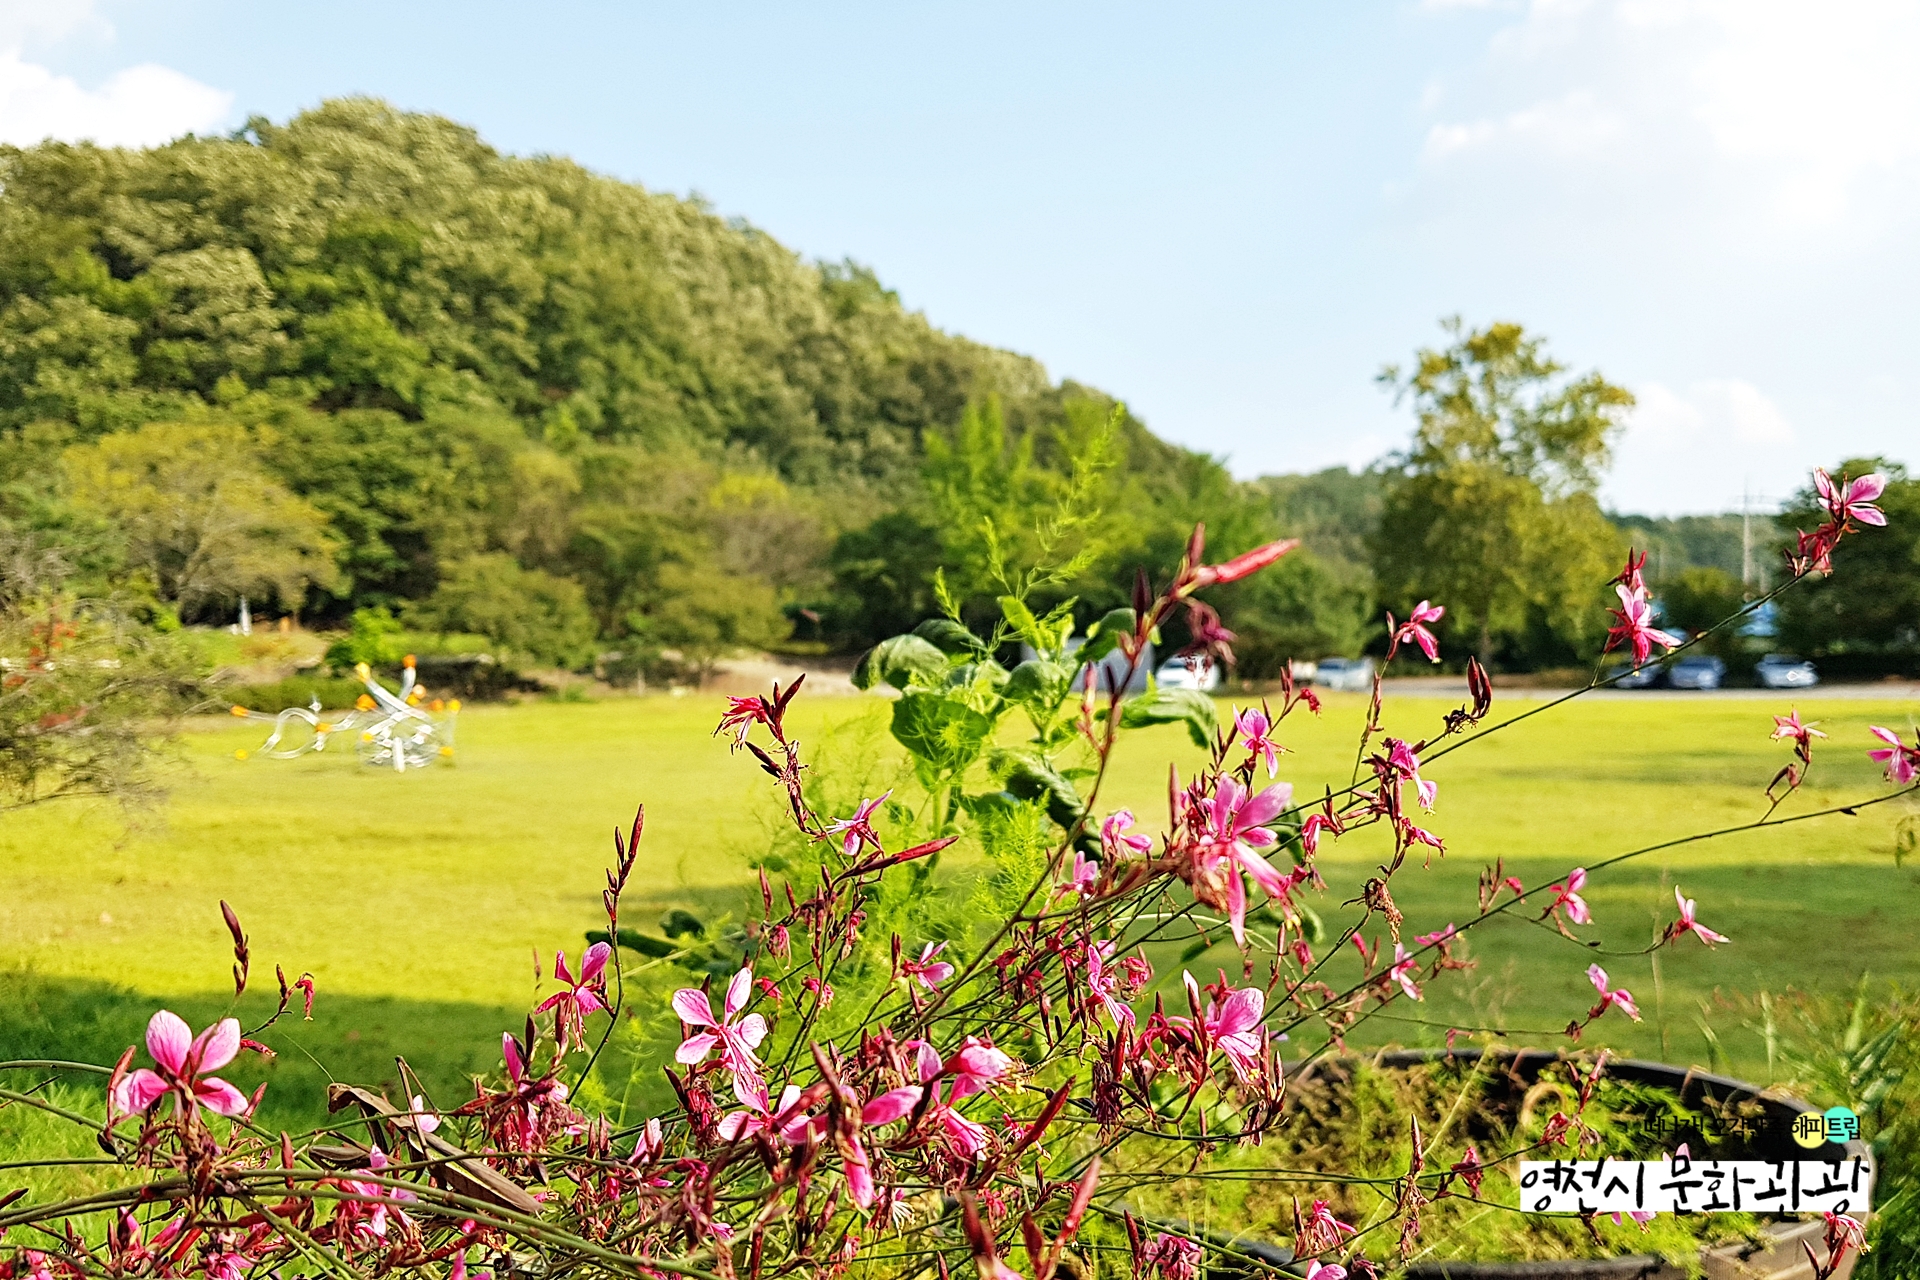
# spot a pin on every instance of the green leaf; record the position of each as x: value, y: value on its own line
x: 679, y: 923
x: 1038, y: 684
x: 1103, y: 637
x: 1031, y: 778
x: 950, y: 637
x: 1021, y: 619
x: 897, y: 661
x: 1173, y: 706
x: 944, y: 733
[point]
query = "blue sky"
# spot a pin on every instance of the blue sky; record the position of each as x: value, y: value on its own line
x: 1230, y: 216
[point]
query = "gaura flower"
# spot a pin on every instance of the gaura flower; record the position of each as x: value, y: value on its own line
x: 858, y: 829
x: 1232, y: 1026
x: 1902, y: 761
x: 584, y: 995
x: 1852, y: 500
x: 1082, y: 875
x: 736, y: 1038
x: 1567, y: 894
x: 183, y: 1061
x: 1241, y: 566
x: 1687, y: 924
x: 1403, y: 762
x: 740, y: 717
x: 1619, y: 996
x: 1789, y: 726
x: 1234, y: 833
x: 1254, y: 727
x: 1635, y: 627
x: 1414, y: 629
x: 1114, y: 840
x: 928, y: 969
x: 1321, y: 1271
x: 783, y: 1119
x: 1401, y: 971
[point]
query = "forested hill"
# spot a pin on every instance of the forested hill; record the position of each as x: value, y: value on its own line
x: 360, y: 256
x: 362, y: 360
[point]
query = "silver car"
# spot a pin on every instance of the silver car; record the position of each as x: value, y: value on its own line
x: 1349, y: 675
x: 1782, y: 671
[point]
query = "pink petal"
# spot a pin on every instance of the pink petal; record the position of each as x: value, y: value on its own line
x: 1237, y: 908
x: 218, y: 1045
x: 588, y: 1001
x: 691, y: 1004
x: 1261, y: 870
x: 890, y: 1106
x: 218, y: 1095
x: 1598, y: 977
x: 695, y: 1048
x: 595, y: 962
x: 752, y: 1029
x: 1885, y: 735
x: 553, y: 1001
x: 510, y: 1050
x: 1868, y: 515
x: 138, y: 1091
x: 859, y: 1177
x: 1822, y: 484
x: 928, y: 1061
x: 169, y: 1038
x: 560, y: 969
x: 1867, y: 487
x: 1266, y: 806
x: 737, y: 992
x: 1241, y: 1011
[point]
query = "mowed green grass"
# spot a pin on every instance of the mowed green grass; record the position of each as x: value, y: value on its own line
x: 419, y: 901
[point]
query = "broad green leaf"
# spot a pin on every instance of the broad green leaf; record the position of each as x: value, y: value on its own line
x: 1031, y: 778
x: 1170, y: 706
x: 1103, y: 637
x: 944, y: 733
x: 950, y: 637
x: 1038, y: 684
x: 897, y: 661
x: 1021, y: 619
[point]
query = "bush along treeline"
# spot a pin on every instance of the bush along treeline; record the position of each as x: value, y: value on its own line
x: 363, y: 368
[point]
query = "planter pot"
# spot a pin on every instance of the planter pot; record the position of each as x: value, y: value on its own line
x: 1778, y: 1256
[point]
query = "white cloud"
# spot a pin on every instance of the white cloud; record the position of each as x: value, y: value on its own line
x: 1805, y: 113
x: 137, y: 106
x: 1700, y: 449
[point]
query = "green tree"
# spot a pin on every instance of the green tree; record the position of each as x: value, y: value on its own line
x: 527, y: 611
x: 1869, y: 609
x: 201, y: 514
x: 1491, y: 509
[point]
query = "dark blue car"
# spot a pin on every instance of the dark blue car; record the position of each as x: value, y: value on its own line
x: 1696, y: 671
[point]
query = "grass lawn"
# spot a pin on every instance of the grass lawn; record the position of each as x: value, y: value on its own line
x: 418, y: 901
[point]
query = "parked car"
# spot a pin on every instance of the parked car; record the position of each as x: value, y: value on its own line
x: 1350, y: 675
x: 1204, y: 675
x: 1696, y: 671
x: 1645, y: 678
x: 1782, y: 671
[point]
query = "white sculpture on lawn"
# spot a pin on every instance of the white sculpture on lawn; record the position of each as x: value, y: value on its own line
x: 391, y: 731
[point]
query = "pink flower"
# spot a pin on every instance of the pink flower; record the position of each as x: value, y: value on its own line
x: 740, y: 717
x: 1620, y: 996
x: 1902, y: 761
x: 1318, y: 1271
x: 1322, y: 1231
x: 1081, y: 876
x: 1641, y: 1216
x: 1844, y: 1233
x: 1855, y: 501
x: 1254, y: 727
x: 1172, y: 1257
x: 1316, y: 823
x: 1440, y: 937
x: 1114, y: 840
x: 1233, y: 1027
x: 377, y: 1162
x: 858, y: 829
x: 583, y: 995
x: 1567, y: 894
x: 1789, y: 726
x: 736, y: 1040
x: 1414, y: 629
x: 1402, y: 969
x: 183, y: 1060
x: 1635, y: 626
x: 1106, y: 981
x: 974, y: 1066
x: 930, y: 971
x: 1234, y: 833
x: 783, y: 1120
x: 1688, y: 924
x: 1405, y: 764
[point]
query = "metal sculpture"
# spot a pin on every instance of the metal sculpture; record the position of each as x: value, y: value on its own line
x: 398, y: 731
